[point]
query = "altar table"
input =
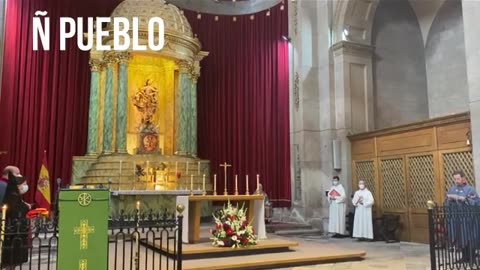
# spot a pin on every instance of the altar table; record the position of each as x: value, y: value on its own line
x: 191, y: 216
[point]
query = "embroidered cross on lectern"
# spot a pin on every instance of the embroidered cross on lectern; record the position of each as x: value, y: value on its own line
x: 83, y: 230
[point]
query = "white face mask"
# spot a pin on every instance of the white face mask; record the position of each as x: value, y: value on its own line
x: 23, y: 189
x: 361, y: 186
x: 335, y: 182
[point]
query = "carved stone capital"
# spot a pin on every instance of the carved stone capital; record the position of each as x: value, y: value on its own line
x: 96, y: 65
x: 352, y: 48
x: 123, y: 57
x: 184, y: 66
x: 110, y: 59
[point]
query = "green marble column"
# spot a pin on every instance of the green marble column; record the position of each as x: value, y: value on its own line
x: 95, y: 67
x: 121, y: 131
x: 193, y: 118
x: 182, y: 111
x: 108, y: 110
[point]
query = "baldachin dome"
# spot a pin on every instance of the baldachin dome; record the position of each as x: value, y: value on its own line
x: 173, y: 18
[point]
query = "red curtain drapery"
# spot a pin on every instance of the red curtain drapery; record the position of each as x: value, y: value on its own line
x: 242, y: 95
x: 44, y: 96
x: 243, y: 105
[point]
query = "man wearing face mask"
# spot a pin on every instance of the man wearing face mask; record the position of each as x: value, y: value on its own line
x: 336, y: 199
x: 363, y: 223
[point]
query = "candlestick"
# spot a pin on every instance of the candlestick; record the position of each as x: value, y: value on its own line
x: 203, y: 186
x: 214, y: 185
x: 246, y: 183
x: 191, y: 184
x: 138, y: 206
x: 258, y: 184
x: 198, y: 171
x: 4, y: 215
x: 236, y: 184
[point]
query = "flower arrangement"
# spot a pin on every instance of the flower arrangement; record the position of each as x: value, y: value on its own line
x: 232, y: 228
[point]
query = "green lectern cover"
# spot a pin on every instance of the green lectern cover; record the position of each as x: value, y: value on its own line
x: 83, y: 229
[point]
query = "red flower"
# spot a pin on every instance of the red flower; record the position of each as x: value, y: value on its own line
x: 218, y: 226
x: 245, y: 223
x: 245, y: 240
x: 226, y: 226
x: 232, y: 217
x: 229, y: 231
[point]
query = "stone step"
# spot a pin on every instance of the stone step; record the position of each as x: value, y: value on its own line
x: 295, y: 232
x: 282, y: 226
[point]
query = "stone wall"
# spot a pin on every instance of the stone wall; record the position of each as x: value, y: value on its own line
x: 445, y: 62
x: 400, y: 80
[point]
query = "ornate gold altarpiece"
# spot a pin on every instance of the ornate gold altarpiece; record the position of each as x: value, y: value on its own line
x: 142, y: 127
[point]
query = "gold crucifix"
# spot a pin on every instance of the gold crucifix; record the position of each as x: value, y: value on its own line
x: 225, y: 167
x: 83, y: 230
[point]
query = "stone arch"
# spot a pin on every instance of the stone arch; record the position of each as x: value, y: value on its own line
x: 357, y: 17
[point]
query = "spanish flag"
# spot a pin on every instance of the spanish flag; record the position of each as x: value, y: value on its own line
x: 42, y: 195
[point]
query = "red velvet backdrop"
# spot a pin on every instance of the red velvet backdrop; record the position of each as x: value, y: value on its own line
x: 44, y: 96
x: 242, y: 99
x: 243, y: 106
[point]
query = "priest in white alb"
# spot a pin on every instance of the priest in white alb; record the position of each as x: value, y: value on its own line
x: 363, y: 202
x: 336, y: 199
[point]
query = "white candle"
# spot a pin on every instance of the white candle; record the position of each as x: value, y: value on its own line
x: 246, y: 182
x: 258, y: 182
x: 214, y: 182
x: 120, y: 167
x: 138, y: 206
x: 176, y: 168
x: 203, y: 182
x: 191, y: 182
x: 236, y: 182
x: 198, y: 168
x: 187, y: 168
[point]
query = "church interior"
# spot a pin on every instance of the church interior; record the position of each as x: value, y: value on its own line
x: 258, y: 103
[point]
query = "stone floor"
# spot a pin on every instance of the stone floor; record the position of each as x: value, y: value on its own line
x: 380, y: 255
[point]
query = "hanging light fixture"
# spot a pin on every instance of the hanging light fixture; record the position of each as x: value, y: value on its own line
x: 225, y: 7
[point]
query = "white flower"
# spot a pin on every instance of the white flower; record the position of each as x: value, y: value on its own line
x: 221, y: 243
x: 234, y: 238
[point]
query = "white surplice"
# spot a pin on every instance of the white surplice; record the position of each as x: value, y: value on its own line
x: 336, y: 221
x: 363, y: 224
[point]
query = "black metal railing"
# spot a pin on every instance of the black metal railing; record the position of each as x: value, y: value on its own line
x: 454, y: 233
x: 136, y: 241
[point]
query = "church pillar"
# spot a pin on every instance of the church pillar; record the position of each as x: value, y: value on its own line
x: 193, y: 117
x: 354, y: 100
x: 182, y: 109
x: 108, y: 109
x: 121, y: 129
x: 95, y: 66
x: 471, y: 20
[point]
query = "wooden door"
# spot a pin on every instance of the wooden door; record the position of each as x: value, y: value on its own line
x: 393, y: 195
x: 453, y: 160
x: 422, y: 170
x: 366, y: 170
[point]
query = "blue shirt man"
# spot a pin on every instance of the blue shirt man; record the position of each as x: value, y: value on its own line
x: 459, y: 217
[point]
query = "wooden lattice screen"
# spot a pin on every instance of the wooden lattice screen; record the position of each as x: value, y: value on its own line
x: 458, y: 161
x: 422, y: 180
x: 365, y: 171
x: 393, y: 188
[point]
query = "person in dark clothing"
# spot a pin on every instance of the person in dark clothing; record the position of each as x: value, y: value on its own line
x: 15, y: 245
